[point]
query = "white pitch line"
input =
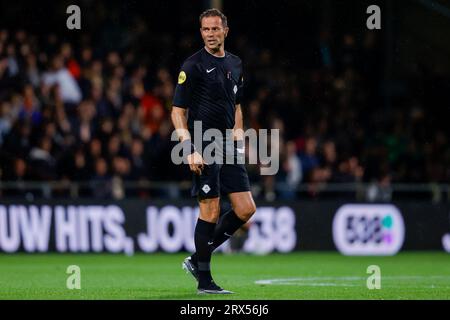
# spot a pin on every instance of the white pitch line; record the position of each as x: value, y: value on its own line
x: 317, y: 281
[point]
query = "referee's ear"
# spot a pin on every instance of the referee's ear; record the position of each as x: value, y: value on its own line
x: 226, y: 31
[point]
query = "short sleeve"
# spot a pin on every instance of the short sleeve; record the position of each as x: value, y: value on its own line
x: 240, y: 91
x: 182, y: 95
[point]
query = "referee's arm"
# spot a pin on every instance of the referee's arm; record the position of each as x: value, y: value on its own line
x: 238, y: 130
x: 179, y: 120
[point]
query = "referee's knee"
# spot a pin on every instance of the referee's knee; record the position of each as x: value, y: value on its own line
x: 245, y: 212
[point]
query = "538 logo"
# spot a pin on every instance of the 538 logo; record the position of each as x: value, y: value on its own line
x: 366, y: 229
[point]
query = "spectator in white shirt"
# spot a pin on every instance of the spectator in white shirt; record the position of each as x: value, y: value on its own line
x: 69, y: 89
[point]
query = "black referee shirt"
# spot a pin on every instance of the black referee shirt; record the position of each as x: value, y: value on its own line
x: 210, y: 87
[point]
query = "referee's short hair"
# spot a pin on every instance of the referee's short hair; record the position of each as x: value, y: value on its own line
x: 214, y: 13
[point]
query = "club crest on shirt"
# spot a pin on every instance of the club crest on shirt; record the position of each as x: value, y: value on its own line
x: 182, y: 77
x: 206, y: 188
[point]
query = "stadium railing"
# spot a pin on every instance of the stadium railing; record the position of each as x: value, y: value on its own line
x: 117, y: 189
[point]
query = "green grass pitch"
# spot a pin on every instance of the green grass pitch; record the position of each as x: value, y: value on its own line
x: 304, y: 275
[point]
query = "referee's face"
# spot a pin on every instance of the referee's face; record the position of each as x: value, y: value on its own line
x: 213, y: 33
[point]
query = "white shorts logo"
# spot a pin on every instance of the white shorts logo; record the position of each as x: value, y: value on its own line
x: 235, y: 89
x: 206, y: 188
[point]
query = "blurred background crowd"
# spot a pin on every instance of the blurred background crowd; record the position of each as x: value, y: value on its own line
x: 93, y: 107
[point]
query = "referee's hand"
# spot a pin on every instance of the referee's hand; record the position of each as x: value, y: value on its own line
x: 196, y: 163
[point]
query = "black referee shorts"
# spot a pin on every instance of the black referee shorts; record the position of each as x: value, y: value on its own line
x: 220, y: 178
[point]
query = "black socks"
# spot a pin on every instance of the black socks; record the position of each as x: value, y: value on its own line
x: 203, y: 239
x: 228, y: 224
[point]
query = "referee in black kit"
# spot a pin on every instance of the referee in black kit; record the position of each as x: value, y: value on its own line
x: 210, y: 88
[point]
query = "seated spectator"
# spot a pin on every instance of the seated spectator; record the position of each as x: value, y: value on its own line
x: 101, y: 187
x: 308, y: 156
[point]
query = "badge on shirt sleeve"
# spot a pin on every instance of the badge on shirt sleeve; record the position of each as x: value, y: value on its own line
x: 182, y: 77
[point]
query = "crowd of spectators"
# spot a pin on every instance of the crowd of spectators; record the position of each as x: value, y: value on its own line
x: 83, y: 113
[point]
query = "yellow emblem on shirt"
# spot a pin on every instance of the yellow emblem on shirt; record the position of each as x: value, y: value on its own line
x: 182, y: 77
